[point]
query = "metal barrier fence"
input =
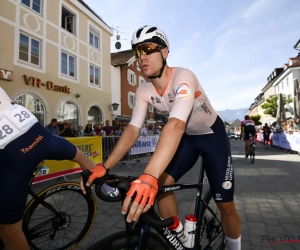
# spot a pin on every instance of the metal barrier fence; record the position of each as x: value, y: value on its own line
x: 143, y: 147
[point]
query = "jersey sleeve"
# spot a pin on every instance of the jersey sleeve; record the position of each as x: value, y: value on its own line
x: 184, y: 88
x: 140, y: 108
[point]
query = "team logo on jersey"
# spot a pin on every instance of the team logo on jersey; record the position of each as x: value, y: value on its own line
x: 152, y: 99
x: 227, y: 184
x: 170, y: 97
x: 197, y: 94
x: 183, y: 91
x: 204, y: 106
x: 157, y: 100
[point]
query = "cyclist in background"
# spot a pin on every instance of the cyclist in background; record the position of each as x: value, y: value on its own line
x: 193, y: 127
x: 24, y: 143
x: 248, y: 127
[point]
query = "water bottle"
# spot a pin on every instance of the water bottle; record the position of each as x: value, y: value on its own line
x: 177, y: 228
x: 189, y: 230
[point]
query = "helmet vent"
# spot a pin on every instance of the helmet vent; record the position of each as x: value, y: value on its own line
x: 139, y: 33
x: 151, y: 30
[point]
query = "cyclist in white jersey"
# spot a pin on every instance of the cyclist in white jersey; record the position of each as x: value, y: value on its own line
x: 24, y: 143
x: 193, y: 127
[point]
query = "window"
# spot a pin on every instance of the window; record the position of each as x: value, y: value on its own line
x: 34, y: 105
x: 287, y: 82
x: 282, y: 86
x: 94, y: 38
x: 95, y: 115
x: 131, y: 77
x: 138, y: 66
x: 67, y: 64
x: 68, y: 20
x: 150, y: 109
x: 95, y: 76
x: 141, y: 80
x: 33, y: 4
x: 131, y: 99
x: 29, y: 50
x: 67, y: 110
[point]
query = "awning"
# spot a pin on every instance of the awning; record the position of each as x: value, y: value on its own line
x: 123, y: 118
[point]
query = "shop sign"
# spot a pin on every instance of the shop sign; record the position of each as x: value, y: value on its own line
x: 6, y: 75
x: 36, y: 82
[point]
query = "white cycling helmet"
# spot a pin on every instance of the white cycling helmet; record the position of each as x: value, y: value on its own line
x: 5, y: 101
x: 149, y: 33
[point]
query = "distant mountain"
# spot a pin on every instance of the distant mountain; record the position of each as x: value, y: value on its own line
x: 231, y: 114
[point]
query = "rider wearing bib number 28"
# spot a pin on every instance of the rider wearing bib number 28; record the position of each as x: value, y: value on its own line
x: 193, y: 127
x: 24, y: 143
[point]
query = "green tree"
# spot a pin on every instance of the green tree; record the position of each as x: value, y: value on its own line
x: 256, y: 119
x: 270, y: 106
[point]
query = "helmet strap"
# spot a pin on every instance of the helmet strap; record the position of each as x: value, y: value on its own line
x: 164, y: 62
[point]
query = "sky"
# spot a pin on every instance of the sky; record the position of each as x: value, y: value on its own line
x: 232, y: 46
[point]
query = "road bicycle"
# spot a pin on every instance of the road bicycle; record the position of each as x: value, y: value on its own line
x: 59, y: 217
x: 138, y: 235
x: 251, y: 149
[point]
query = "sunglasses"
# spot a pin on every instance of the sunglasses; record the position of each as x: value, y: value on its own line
x: 146, y: 49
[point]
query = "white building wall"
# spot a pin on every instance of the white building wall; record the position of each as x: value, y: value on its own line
x: 116, y: 87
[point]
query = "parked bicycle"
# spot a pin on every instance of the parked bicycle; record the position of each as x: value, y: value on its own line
x: 251, y: 149
x: 59, y: 217
x: 138, y: 235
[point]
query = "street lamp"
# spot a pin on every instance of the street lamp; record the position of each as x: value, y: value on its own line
x: 115, y: 106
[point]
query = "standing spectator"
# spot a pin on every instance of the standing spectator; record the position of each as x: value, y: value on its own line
x: 150, y: 128
x: 144, y: 130
x: 99, y: 130
x: 122, y: 130
x: 53, y: 128
x: 65, y: 130
x: 158, y: 130
x: 79, y: 131
x: 109, y: 130
x: 266, y: 134
x: 73, y: 131
x: 88, y: 131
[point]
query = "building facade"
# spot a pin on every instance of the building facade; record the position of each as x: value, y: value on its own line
x: 55, y: 60
x: 127, y: 77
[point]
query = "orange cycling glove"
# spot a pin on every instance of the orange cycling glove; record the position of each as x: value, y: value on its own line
x: 98, y: 172
x: 146, y: 187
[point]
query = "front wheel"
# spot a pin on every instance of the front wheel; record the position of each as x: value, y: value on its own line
x: 129, y: 241
x: 211, y: 234
x: 65, y: 229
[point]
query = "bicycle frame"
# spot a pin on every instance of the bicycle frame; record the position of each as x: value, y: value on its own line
x: 166, y: 233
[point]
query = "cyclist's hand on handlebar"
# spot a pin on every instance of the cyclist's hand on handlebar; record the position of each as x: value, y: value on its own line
x: 145, y: 188
x: 97, y: 172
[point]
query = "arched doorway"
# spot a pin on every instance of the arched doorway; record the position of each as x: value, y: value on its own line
x: 95, y: 115
x: 68, y: 110
x: 34, y: 105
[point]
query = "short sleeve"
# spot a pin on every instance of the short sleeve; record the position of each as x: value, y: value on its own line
x: 140, y: 108
x: 184, y: 88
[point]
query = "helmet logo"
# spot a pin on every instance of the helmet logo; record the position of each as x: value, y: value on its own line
x: 161, y: 36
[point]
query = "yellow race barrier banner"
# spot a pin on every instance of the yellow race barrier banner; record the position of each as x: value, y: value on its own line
x: 90, y: 146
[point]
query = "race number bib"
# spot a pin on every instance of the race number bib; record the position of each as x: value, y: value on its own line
x: 8, y: 132
x: 21, y: 117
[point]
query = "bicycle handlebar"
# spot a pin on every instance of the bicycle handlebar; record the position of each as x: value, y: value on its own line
x: 150, y: 218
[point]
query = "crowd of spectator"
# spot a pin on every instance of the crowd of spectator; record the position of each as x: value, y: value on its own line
x: 67, y: 129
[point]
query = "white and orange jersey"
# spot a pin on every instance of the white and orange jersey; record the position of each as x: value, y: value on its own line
x: 182, y: 98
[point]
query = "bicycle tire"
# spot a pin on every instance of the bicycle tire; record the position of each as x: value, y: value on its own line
x: 129, y: 241
x: 209, y: 225
x: 72, y: 192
